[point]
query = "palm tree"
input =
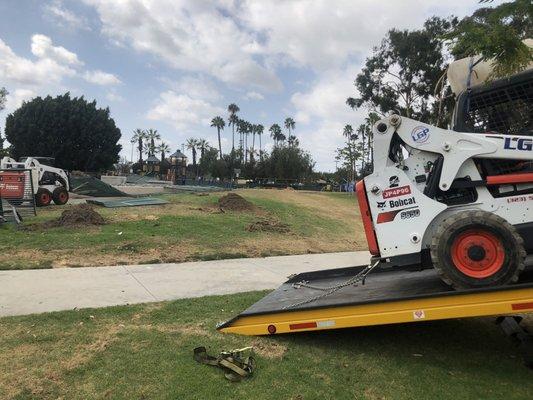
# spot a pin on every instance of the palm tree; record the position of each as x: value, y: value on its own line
x: 246, y: 132
x: 289, y: 124
x: 192, y: 144
x: 259, y: 130
x: 275, y: 133
x: 152, y: 135
x: 241, y: 128
x: 233, y: 120
x: 348, y: 133
x: 149, y: 149
x: 202, y: 145
x: 293, y: 141
x: 233, y: 109
x: 254, y: 131
x: 219, y: 123
x: 138, y: 137
x: 163, y: 149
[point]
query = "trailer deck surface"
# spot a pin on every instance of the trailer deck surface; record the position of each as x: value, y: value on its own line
x: 386, y: 297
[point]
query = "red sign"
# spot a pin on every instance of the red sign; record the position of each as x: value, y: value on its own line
x: 395, y: 192
x: 12, y: 185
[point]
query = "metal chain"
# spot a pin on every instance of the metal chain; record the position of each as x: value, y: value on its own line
x: 332, y: 289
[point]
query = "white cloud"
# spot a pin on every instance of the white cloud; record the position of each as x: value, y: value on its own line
x: 60, y: 15
x: 42, y: 47
x: 182, y: 111
x: 323, y: 34
x: 321, y: 114
x: 101, y: 78
x: 22, y: 71
x: 113, y: 96
x: 196, y: 87
x: 193, y: 36
x: 253, y: 96
x: 46, y: 73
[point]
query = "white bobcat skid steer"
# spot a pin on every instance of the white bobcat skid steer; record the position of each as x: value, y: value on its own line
x: 433, y: 200
x: 460, y: 200
x: 51, y: 183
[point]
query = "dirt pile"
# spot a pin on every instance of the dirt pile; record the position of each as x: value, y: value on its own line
x: 234, y: 202
x: 80, y: 215
x: 268, y: 225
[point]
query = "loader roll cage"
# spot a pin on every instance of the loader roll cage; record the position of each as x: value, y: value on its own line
x: 504, y: 106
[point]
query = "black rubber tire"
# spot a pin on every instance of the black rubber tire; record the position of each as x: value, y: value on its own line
x: 60, y: 196
x: 43, y: 197
x: 450, y: 228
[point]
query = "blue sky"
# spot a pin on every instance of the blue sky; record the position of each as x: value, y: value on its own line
x: 172, y: 65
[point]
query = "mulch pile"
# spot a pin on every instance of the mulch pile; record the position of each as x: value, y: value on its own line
x: 268, y: 225
x: 234, y: 202
x: 79, y: 215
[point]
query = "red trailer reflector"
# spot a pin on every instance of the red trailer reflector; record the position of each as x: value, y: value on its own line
x: 522, y: 306
x: 302, y: 325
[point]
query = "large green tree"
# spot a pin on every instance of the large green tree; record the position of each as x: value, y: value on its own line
x: 497, y: 33
x: 75, y: 132
x: 403, y: 71
x: 286, y: 162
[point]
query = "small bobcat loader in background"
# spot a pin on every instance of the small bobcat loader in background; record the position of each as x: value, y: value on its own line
x: 49, y: 183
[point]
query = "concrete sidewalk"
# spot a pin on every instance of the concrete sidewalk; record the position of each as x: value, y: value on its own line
x: 35, y: 291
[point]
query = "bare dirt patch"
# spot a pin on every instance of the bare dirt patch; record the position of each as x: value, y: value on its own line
x: 208, y: 209
x: 190, y: 329
x: 268, y: 225
x: 268, y: 348
x: 235, y: 202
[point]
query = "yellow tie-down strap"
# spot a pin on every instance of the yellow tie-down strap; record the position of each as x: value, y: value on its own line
x: 504, y: 302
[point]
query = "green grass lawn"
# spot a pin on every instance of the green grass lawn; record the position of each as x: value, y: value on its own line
x: 145, y: 352
x: 189, y: 228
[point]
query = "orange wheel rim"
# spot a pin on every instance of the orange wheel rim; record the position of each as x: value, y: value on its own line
x: 478, y: 253
x: 62, y: 197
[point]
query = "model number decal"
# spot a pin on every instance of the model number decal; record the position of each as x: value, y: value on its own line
x: 400, y: 191
x: 410, y: 214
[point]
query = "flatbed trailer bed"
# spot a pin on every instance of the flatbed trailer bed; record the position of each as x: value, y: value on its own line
x: 387, y: 297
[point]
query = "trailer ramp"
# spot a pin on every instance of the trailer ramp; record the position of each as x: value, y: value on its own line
x: 387, y: 297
